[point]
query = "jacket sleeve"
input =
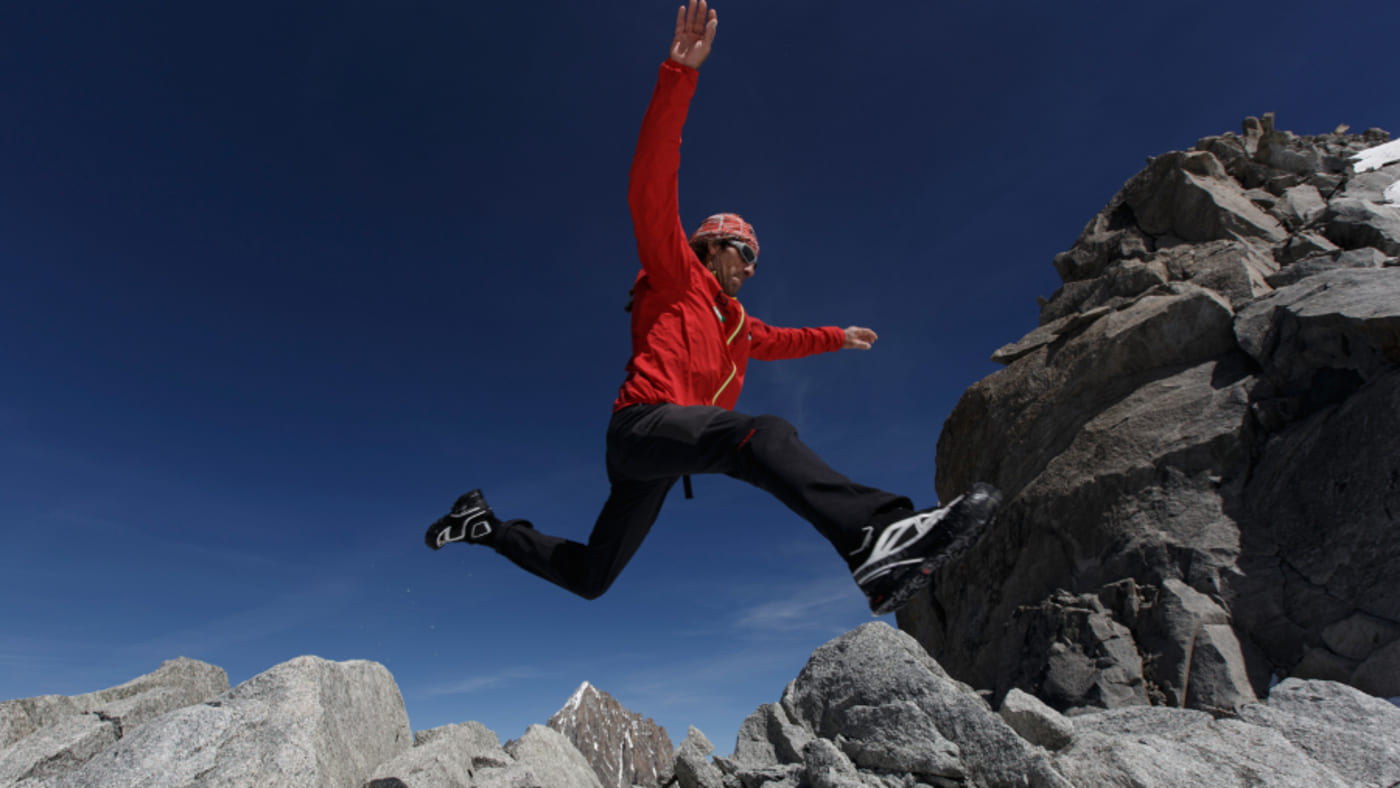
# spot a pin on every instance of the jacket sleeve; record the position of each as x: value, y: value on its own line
x: 771, y: 343
x: 652, y: 192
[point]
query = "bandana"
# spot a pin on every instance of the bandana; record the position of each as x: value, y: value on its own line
x: 724, y: 226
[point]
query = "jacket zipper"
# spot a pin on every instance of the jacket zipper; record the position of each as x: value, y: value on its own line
x: 733, y: 367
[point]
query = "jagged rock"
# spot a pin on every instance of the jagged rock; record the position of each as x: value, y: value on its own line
x: 1093, y: 511
x: 1190, y: 196
x: 57, y: 734
x: 825, y: 766
x: 623, y: 747
x: 1320, y: 263
x: 1320, y: 547
x: 1075, y: 654
x: 768, y: 737
x: 543, y: 757
x: 693, y: 768
x: 1219, y: 680
x: 446, y: 756
x: 1053, y: 390
x: 1301, y: 205
x: 878, y: 690
x: 1353, y: 224
x: 1371, y: 186
x: 1178, y: 615
x: 1119, y: 284
x: 177, y: 682
x: 1303, y: 246
x: 1354, y: 735
x: 1234, y: 269
x: 1343, y: 321
x: 1054, y: 331
x: 305, y: 722
x: 1036, y: 722
x: 1223, y: 448
x: 1110, y: 236
x: 57, y: 749
x: 1210, y: 752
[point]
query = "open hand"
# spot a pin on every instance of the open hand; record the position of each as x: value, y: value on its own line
x: 858, y: 338
x: 695, y: 31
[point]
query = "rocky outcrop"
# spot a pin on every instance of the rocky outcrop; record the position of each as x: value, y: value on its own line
x: 50, y: 735
x: 306, y: 722
x: 623, y: 747
x: 872, y: 710
x: 1198, y: 446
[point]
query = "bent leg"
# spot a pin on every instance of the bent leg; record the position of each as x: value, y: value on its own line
x: 590, y: 569
x: 776, y: 461
x: 764, y: 451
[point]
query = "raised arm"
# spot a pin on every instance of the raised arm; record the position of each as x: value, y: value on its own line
x: 652, y: 191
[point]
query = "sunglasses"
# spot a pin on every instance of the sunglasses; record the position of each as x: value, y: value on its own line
x: 745, y: 251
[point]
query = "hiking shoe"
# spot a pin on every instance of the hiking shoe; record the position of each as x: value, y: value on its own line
x: 471, y: 520
x: 908, y: 551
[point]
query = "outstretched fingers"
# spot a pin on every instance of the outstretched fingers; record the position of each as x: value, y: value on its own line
x: 695, y: 31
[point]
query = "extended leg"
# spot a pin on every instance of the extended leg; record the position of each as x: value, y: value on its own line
x: 670, y: 441
x: 590, y: 569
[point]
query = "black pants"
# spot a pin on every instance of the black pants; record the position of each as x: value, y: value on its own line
x: 651, y: 446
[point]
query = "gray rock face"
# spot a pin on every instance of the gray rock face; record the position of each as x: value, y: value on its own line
x: 50, y: 735
x: 623, y: 747
x: 177, y: 682
x: 871, y: 709
x: 449, y: 756
x: 543, y: 757
x: 693, y: 768
x: 1036, y: 722
x: 877, y: 712
x: 1198, y: 447
x: 872, y: 702
x: 304, y: 722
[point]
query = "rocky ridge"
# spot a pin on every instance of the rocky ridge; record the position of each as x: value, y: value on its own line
x: 871, y: 709
x: 623, y: 747
x: 1199, y: 446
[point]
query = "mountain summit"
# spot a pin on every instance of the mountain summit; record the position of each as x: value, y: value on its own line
x: 623, y: 747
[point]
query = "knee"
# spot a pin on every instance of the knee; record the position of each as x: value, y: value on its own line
x: 593, y: 588
x: 768, y: 427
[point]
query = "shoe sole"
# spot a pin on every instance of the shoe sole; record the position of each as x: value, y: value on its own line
x: 917, y: 579
x: 456, y: 517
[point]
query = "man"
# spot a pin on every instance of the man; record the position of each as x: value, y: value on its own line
x: 691, y: 341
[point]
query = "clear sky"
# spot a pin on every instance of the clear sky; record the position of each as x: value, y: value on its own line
x: 278, y: 281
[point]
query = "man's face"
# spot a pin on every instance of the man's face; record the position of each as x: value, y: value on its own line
x: 730, y: 269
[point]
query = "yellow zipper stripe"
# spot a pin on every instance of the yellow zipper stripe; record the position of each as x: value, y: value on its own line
x: 742, y: 316
x: 727, y: 381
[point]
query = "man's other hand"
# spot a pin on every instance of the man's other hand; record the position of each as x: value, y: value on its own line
x: 695, y: 32
x: 858, y: 338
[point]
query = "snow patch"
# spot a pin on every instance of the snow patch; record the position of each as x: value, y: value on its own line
x: 1392, y: 194
x: 577, y: 697
x: 1377, y: 157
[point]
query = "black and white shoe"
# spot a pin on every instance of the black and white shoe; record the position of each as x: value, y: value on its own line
x: 471, y: 520
x: 907, y: 552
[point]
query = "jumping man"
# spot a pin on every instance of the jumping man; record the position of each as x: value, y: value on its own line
x: 674, y: 415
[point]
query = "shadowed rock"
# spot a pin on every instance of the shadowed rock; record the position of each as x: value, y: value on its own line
x: 1201, y: 472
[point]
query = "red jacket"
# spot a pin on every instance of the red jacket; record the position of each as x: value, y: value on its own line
x: 690, y: 342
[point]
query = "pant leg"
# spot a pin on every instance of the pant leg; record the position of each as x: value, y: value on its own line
x: 632, y: 507
x: 672, y: 440
x: 590, y: 569
x: 650, y: 446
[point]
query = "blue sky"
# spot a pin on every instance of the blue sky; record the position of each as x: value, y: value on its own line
x: 278, y: 281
